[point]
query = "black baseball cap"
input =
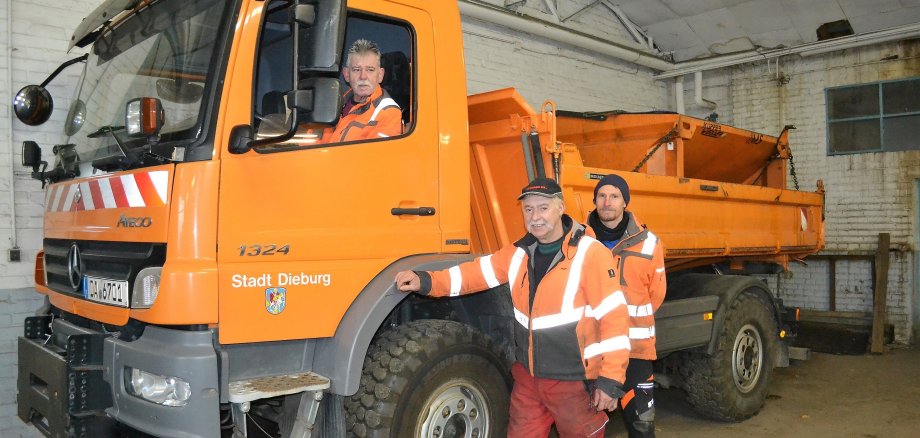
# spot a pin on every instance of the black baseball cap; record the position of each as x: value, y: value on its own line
x: 544, y: 187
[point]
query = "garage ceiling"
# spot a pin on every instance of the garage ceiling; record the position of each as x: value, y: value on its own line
x: 691, y: 29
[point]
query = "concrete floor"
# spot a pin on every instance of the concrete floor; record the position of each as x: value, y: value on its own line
x: 869, y: 396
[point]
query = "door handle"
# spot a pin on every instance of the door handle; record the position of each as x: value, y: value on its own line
x: 421, y: 211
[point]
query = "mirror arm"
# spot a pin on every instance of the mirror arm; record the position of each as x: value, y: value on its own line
x: 61, y: 68
x: 42, y: 163
x: 40, y: 174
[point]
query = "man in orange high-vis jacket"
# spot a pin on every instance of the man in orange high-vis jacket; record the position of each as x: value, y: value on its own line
x: 639, y: 261
x: 369, y: 112
x: 571, y: 332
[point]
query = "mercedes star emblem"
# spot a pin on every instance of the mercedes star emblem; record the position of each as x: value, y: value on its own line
x: 74, y: 266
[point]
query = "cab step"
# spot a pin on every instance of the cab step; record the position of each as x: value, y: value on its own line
x: 242, y: 391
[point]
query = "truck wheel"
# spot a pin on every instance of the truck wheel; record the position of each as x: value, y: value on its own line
x: 431, y: 378
x: 731, y: 385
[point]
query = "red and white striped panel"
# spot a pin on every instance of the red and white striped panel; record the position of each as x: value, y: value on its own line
x: 144, y: 189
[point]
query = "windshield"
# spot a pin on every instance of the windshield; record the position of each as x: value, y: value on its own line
x: 164, y: 51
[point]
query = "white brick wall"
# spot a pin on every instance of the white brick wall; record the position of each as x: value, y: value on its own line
x: 867, y: 194
x: 41, y: 29
x: 540, y: 69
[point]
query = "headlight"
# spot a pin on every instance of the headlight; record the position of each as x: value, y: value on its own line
x: 162, y: 390
x: 146, y: 287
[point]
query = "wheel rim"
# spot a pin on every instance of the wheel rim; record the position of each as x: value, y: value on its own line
x: 747, y: 358
x: 456, y: 409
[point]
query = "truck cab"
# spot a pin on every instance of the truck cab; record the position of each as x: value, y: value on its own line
x: 197, y: 233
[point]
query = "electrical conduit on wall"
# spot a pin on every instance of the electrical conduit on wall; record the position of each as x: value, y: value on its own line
x: 14, y: 244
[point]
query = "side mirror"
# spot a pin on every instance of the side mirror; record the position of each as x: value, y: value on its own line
x: 33, y: 105
x: 241, y: 139
x: 322, y: 34
x: 75, y: 117
x: 317, y: 100
x: 31, y: 155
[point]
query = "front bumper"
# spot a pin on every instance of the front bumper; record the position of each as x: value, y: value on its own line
x: 71, y: 380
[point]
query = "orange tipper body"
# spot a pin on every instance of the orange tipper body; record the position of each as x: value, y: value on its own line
x: 712, y: 193
x: 195, y: 255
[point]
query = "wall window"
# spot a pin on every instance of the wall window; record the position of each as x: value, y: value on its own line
x: 877, y: 117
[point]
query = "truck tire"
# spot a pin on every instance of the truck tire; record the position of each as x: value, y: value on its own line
x: 732, y: 383
x: 431, y: 378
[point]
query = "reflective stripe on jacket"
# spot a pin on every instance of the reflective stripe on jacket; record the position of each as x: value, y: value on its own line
x: 377, y: 117
x: 577, y: 328
x: 639, y: 261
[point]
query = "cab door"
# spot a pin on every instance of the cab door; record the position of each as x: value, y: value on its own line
x: 305, y: 226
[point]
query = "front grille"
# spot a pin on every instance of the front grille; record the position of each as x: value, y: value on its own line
x: 112, y: 260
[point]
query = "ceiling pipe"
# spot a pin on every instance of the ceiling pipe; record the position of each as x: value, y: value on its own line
x: 502, y: 17
x: 808, y: 49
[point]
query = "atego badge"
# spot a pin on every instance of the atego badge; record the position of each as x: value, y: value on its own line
x: 134, y: 222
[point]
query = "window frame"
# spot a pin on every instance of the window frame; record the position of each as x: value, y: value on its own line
x: 880, y: 117
x: 413, y: 104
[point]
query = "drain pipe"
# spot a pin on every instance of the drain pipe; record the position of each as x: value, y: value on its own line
x: 698, y: 92
x: 679, y: 94
x: 14, y: 243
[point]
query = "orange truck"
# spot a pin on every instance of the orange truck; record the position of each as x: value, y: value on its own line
x: 213, y: 269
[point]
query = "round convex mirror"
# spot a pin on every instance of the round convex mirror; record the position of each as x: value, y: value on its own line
x: 33, y: 105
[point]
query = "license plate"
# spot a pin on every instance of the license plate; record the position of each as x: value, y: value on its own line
x: 103, y: 290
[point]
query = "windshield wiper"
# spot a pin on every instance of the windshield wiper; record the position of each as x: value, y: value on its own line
x: 127, y: 161
x: 109, y: 129
x: 103, y: 130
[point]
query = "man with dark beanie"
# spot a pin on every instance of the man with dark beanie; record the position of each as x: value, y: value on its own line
x: 639, y: 261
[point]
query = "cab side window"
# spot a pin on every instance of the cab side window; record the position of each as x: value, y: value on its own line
x: 395, y: 42
x: 274, y: 73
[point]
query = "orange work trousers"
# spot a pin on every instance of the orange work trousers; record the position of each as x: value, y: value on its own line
x: 538, y: 403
